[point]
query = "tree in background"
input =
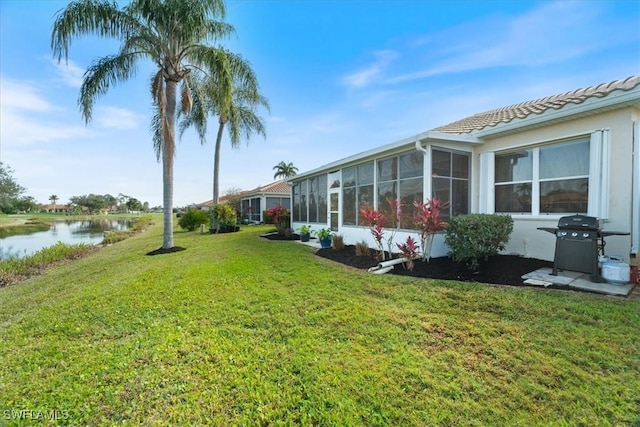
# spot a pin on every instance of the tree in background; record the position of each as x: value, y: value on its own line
x: 134, y: 204
x: 172, y: 34
x: 10, y: 190
x: 93, y: 202
x: 284, y: 170
x: 27, y: 204
x: 53, y: 199
x: 232, y: 94
x: 233, y: 196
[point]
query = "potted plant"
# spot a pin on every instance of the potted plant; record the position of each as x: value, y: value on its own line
x: 324, y: 235
x: 304, y: 232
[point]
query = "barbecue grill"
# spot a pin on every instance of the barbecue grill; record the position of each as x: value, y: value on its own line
x: 579, y: 242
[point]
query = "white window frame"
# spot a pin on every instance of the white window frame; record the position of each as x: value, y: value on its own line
x: 598, y: 195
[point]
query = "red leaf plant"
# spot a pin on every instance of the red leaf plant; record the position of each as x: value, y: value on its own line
x: 375, y: 221
x: 428, y: 221
x: 409, y: 250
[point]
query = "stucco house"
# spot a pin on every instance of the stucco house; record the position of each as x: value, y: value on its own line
x: 255, y: 202
x: 577, y: 152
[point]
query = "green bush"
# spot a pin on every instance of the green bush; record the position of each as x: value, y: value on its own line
x: 477, y: 236
x: 222, y: 216
x: 192, y: 219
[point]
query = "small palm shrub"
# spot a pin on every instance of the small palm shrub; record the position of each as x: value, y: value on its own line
x: 192, y: 219
x: 476, y: 237
x: 362, y: 249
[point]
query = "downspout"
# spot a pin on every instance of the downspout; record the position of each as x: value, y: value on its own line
x: 635, y: 192
x: 419, y: 147
x: 386, y: 266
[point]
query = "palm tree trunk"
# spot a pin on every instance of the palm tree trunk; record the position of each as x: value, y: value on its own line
x: 216, y: 164
x: 168, y: 148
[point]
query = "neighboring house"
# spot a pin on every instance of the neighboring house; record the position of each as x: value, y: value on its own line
x: 204, y: 206
x: 55, y: 208
x: 578, y: 152
x: 256, y: 201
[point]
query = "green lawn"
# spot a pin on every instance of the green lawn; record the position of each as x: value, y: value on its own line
x: 238, y: 330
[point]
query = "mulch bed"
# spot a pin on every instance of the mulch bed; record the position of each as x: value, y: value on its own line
x: 499, y: 269
x: 163, y: 251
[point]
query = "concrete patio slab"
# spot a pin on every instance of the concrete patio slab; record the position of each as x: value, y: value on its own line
x: 576, y: 281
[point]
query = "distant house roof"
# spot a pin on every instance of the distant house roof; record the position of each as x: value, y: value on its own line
x: 520, y: 111
x: 208, y: 203
x: 278, y: 187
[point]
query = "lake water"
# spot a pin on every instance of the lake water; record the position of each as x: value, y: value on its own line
x: 91, y: 232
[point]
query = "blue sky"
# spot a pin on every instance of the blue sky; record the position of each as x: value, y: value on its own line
x: 341, y: 76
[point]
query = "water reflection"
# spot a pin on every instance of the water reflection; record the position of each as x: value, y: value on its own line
x: 72, y: 232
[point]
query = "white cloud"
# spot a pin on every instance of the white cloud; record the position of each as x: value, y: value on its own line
x: 369, y: 74
x: 23, y: 96
x: 27, y: 117
x: 69, y: 72
x: 117, y: 118
x: 550, y: 33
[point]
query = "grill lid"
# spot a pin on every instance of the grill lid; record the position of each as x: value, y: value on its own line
x: 579, y: 222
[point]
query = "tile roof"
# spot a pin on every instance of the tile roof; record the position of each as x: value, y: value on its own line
x: 280, y: 186
x: 506, y: 114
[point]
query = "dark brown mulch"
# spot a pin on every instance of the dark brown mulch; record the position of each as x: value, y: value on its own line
x: 276, y: 236
x: 499, y: 269
x: 166, y: 251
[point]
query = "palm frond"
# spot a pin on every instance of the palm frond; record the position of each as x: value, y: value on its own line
x: 101, y: 75
x: 83, y: 17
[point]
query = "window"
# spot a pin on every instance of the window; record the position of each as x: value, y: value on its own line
x: 310, y: 200
x: 275, y: 201
x: 357, y: 192
x: 322, y: 199
x: 296, y: 201
x: 400, y: 177
x: 313, y: 205
x: 514, y: 177
x: 547, y: 179
x: 450, y: 181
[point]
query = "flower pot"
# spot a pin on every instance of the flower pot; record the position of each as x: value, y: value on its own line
x: 325, y: 243
x: 305, y: 237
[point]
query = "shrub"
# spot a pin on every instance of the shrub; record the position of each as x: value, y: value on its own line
x: 223, y: 215
x: 192, y: 219
x: 362, y: 249
x: 477, y: 236
x: 338, y: 242
x: 281, y: 217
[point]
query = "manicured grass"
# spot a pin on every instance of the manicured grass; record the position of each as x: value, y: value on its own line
x: 238, y: 330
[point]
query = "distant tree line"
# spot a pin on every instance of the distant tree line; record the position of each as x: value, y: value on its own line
x: 96, y: 202
x: 13, y: 199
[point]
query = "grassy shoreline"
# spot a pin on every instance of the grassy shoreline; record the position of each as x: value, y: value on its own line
x: 238, y: 330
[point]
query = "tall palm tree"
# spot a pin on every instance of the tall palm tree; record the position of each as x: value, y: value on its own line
x: 284, y: 170
x: 53, y: 199
x: 233, y: 96
x: 170, y: 33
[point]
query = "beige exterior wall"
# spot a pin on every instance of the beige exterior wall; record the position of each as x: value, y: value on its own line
x: 526, y: 239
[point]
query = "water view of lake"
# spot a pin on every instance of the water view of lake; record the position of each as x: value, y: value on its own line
x: 74, y: 232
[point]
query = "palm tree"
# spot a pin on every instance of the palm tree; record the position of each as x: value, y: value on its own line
x: 231, y: 94
x: 284, y: 170
x: 53, y: 199
x: 170, y: 33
